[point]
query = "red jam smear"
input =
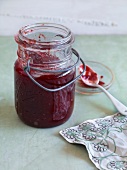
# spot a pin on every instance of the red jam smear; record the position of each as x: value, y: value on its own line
x: 91, y: 75
x: 39, y: 108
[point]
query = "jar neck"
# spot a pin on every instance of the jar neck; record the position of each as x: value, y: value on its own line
x: 44, y: 43
x: 45, y: 36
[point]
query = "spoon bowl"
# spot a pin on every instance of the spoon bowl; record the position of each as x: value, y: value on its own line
x: 90, y: 77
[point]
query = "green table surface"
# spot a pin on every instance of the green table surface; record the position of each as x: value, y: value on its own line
x: 26, y: 148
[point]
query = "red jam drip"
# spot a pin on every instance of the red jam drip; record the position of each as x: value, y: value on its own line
x: 37, y: 107
x: 41, y: 36
x: 89, y: 75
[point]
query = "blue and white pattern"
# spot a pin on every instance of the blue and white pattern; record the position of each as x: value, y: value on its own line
x: 105, y: 140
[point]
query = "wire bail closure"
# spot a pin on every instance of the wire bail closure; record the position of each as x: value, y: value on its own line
x: 28, y: 67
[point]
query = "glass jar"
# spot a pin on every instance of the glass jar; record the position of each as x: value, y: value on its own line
x: 44, y: 75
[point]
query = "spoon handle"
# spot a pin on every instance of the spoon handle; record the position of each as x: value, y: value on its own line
x: 120, y: 107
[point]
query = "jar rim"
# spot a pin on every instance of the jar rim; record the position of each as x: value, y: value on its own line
x: 63, y: 41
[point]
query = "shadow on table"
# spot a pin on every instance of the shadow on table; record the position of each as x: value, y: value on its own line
x: 79, y: 152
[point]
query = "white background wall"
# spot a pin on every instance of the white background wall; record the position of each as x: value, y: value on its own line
x: 81, y: 16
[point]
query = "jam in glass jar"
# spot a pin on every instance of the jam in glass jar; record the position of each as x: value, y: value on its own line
x: 44, y: 75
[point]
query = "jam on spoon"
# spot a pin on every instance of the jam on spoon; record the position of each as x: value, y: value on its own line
x: 91, y: 75
x: 91, y: 78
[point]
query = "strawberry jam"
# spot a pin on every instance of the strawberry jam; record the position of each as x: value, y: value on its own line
x: 38, y: 107
x: 46, y: 50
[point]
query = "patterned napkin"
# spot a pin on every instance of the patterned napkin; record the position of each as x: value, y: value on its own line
x: 105, y: 140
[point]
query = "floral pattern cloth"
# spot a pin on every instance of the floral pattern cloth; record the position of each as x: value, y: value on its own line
x: 105, y: 140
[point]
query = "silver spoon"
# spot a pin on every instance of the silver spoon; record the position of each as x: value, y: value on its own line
x: 90, y: 78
